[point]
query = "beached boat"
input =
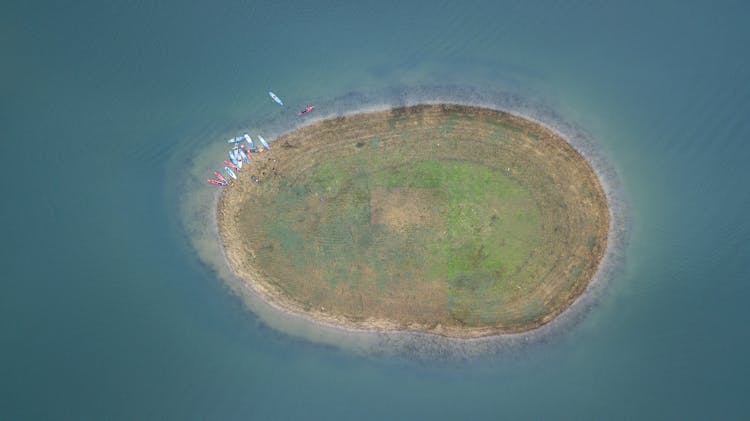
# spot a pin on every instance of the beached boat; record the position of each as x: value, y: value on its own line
x: 238, y: 158
x: 230, y: 172
x: 243, y: 155
x: 249, y: 141
x: 263, y: 142
x: 220, y: 178
x: 275, y: 98
x: 229, y: 164
x: 247, y: 152
x: 233, y: 157
x: 215, y: 182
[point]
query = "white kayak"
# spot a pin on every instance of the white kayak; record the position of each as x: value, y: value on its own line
x: 263, y: 142
x: 275, y: 98
x: 239, y: 158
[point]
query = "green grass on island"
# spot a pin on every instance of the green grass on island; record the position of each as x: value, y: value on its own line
x: 454, y: 220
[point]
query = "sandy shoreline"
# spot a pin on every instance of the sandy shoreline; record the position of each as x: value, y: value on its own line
x: 281, y: 302
x: 277, y: 298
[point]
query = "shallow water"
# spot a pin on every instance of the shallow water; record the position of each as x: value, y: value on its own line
x: 107, y: 310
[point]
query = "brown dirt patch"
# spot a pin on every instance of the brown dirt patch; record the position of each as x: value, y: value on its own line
x: 401, y: 209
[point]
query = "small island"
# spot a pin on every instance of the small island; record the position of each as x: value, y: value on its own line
x: 453, y: 220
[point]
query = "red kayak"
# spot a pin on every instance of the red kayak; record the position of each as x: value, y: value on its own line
x: 230, y: 165
x: 222, y: 179
x: 247, y: 151
x: 306, y: 110
x: 214, y: 182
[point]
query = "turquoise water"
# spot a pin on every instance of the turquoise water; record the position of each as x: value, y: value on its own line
x: 108, y: 312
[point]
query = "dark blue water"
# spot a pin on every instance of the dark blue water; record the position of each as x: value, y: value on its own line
x: 108, y: 312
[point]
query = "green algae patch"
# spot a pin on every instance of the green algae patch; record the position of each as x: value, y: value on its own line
x: 453, y: 220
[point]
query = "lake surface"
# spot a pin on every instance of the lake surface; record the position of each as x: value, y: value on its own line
x: 109, y: 310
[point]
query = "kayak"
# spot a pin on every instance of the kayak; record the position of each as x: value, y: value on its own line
x: 222, y: 179
x: 215, y: 182
x: 247, y: 152
x: 263, y: 142
x: 275, y: 98
x: 229, y: 164
x: 249, y: 141
x: 243, y: 156
x: 230, y: 172
x: 306, y: 110
x: 237, y: 157
x: 233, y: 157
